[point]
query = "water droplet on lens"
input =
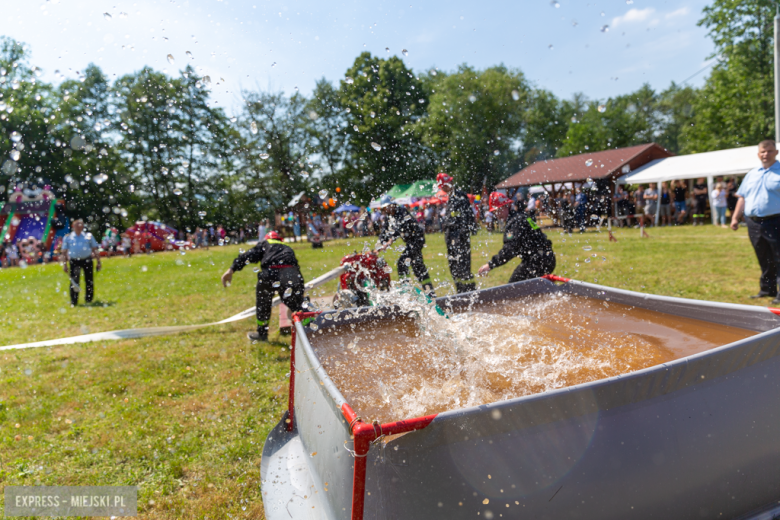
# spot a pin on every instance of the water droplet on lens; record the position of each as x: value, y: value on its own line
x: 376, y: 146
x: 496, y: 152
x: 253, y: 128
x: 516, y: 94
x: 201, y: 214
x: 323, y: 193
x: 264, y: 156
x: 405, y: 52
x: 276, y: 284
x: 177, y: 191
x: 349, y: 80
x: 107, y: 16
x: 589, y: 162
x: 604, y: 28
x: 373, y: 115
x: 15, y: 136
x: 15, y: 155
x: 472, y: 98
x: 587, y: 248
x: 170, y: 59
x: 355, y: 128
x: 602, y: 108
x: 188, y: 53
x: 287, y: 292
x: 100, y: 178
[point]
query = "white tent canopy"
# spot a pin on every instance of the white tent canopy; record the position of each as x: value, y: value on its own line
x: 735, y: 161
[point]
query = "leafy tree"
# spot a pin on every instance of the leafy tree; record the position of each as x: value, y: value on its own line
x: 28, y: 153
x: 326, y: 128
x: 274, y: 156
x: 206, y: 143
x: 736, y: 105
x: 547, y: 121
x: 94, y: 172
x: 674, y: 108
x: 173, y: 143
x: 384, y: 100
x: 618, y: 122
x: 475, y: 121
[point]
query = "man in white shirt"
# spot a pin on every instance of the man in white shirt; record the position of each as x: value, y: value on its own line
x: 78, y: 250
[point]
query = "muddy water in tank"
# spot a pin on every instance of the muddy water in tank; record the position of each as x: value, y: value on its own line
x: 422, y: 363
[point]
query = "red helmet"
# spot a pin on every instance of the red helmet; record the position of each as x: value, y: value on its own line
x: 443, y: 179
x: 498, y: 200
x: 272, y: 235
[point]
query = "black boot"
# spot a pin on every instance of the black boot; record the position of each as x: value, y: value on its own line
x: 260, y: 335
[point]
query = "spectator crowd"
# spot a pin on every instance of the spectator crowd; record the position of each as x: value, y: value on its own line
x: 678, y: 203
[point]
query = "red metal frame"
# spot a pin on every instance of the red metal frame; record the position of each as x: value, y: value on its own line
x: 556, y: 278
x: 363, y: 435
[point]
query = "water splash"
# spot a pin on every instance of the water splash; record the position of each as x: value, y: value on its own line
x: 422, y: 362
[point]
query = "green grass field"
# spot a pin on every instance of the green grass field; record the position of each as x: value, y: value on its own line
x: 184, y: 417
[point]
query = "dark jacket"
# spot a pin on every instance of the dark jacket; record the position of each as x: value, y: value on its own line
x: 269, y: 253
x: 402, y: 224
x: 459, y: 219
x: 523, y: 238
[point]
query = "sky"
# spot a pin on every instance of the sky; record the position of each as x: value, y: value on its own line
x: 601, y: 49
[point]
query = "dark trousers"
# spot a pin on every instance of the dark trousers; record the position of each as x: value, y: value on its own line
x: 75, y: 277
x: 765, y: 237
x: 534, y: 267
x: 459, y: 258
x: 288, y: 282
x: 412, y: 256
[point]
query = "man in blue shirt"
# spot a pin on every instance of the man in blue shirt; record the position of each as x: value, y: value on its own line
x: 759, y: 200
x: 78, y: 249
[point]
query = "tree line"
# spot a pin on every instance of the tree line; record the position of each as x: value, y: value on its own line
x: 151, y: 145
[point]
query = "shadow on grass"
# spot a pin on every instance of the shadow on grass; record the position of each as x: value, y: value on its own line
x: 98, y: 303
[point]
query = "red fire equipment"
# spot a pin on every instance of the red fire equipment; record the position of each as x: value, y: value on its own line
x: 363, y: 270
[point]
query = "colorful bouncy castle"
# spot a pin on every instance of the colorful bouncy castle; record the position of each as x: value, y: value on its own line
x: 33, y: 214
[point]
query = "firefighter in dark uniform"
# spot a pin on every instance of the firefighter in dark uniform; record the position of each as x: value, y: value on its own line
x: 279, y: 273
x: 459, y: 225
x: 523, y: 238
x: 400, y: 224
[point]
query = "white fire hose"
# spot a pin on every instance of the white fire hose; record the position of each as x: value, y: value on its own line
x: 162, y: 331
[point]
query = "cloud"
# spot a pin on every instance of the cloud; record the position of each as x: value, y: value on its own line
x: 679, y: 12
x: 633, y: 15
